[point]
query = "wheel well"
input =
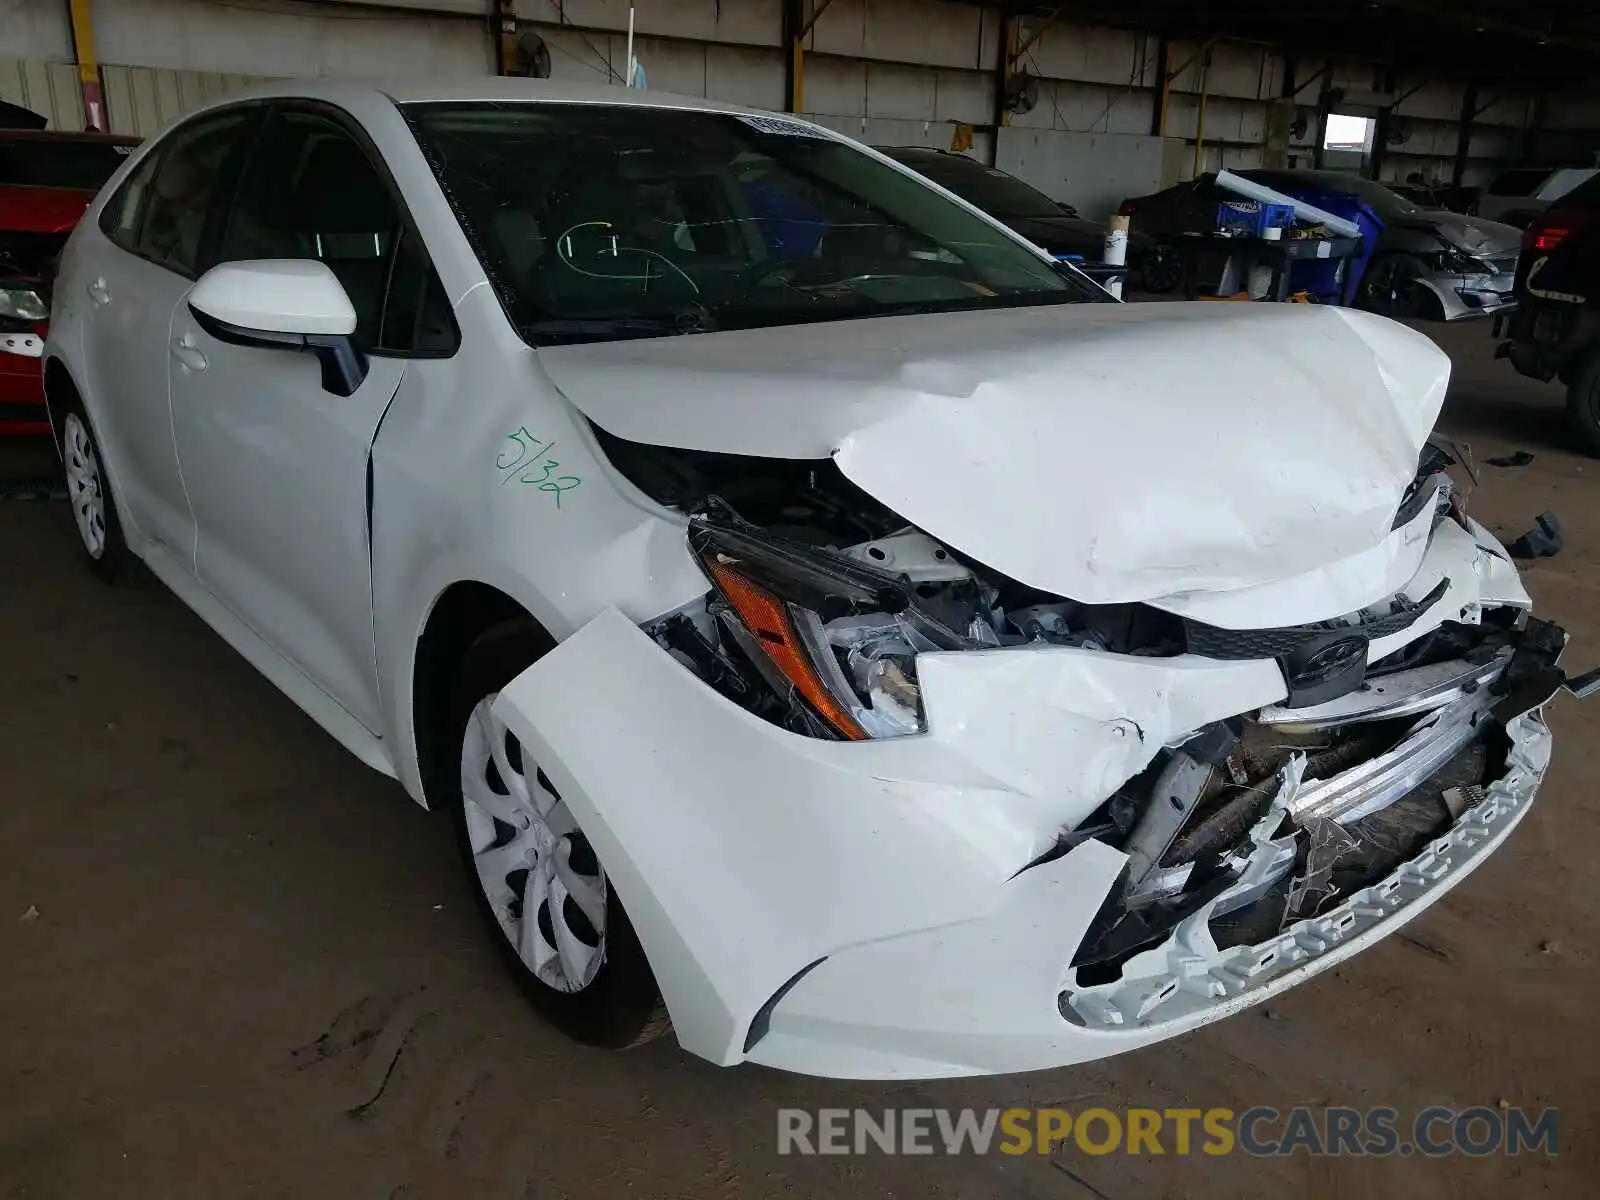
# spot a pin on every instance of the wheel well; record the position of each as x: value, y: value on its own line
x: 462, y: 614
x: 57, y: 386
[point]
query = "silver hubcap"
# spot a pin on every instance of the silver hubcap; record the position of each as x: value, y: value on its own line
x: 535, y: 866
x: 84, y: 487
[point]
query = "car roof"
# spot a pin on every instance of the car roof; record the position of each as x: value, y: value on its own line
x: 492, y: 88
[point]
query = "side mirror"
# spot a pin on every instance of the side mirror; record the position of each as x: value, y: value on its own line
x: 283, y: 304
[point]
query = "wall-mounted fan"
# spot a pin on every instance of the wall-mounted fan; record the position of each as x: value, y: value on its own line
x: 1022, y: 93
x: 533, y: 56
x: 1399, y: 133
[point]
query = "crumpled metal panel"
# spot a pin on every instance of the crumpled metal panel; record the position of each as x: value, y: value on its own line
x: 1028, y: 440
x: 1188, y: 974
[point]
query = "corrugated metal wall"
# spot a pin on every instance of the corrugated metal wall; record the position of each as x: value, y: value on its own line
x: 142, y: 100
x: 887, y: 71
x: 48, y: 88
x: 258, y: 38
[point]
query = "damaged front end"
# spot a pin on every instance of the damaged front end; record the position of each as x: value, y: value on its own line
x: 1183, y: 814
x: 1299, y: 821
x: 1244, y: 828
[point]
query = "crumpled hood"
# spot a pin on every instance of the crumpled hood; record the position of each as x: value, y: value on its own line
x: 1475, y: 235
x: 1102, y: 452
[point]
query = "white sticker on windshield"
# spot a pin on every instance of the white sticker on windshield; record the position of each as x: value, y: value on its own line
x: 784, y: 128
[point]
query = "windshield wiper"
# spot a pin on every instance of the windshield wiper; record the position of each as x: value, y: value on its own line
x: 557, y: 330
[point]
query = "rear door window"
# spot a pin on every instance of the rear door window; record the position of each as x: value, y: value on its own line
x: 120, y: 218
x: 163, y: 211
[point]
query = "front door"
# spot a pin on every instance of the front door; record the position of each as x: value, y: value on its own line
x: 275, y: 466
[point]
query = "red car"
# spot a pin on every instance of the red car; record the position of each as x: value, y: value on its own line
x: 47, y: 179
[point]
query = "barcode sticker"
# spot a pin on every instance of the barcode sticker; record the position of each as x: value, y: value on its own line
x: 785, y: 128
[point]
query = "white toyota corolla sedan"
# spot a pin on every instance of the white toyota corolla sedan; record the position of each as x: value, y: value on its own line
x: 832, y: 625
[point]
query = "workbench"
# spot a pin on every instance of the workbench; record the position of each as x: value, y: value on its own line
x: 1249, y: 252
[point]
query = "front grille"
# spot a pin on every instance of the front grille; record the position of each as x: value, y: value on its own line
x: 1212, y: 641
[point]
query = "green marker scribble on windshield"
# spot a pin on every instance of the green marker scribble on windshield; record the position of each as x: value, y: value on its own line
x: 525, y: 462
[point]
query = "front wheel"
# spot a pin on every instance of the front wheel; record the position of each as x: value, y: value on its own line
x: 540, y: 886
x: 1390, y: 287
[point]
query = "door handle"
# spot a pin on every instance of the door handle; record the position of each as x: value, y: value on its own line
x: 189, y: 356
x: 98, y: 292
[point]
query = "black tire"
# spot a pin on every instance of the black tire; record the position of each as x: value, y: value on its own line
x: 1389, y: 286
x: 621, y: 1006
x: 1160, y: 268
x: 1419, y: 303
x: 82, y: 460
x: 1583, y: 403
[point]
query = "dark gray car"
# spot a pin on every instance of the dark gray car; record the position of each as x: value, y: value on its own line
x: 1429, y: 262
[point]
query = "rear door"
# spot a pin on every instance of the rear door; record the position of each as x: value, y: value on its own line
x: 126, y: 282
x: 276, y: 467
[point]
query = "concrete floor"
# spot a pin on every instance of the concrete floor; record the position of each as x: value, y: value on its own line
x: 254, y: 964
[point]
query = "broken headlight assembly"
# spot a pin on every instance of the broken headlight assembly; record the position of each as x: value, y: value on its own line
x: 833, y: 640
x: 823, y: 639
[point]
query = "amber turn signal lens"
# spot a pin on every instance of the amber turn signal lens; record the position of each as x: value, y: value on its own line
x: 764, y: 615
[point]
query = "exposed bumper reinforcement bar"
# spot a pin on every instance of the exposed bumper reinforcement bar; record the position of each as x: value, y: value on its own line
x: 1380, y: 781
x: 1402, y: 694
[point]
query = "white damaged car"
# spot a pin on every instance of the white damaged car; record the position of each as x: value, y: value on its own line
x: 832, y: 625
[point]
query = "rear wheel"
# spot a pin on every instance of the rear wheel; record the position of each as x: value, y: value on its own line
x: 1583, y: 402
x: 559, y: 925
x: 89, y: 492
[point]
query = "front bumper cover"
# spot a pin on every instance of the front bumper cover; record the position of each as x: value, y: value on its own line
x: 1478, y: 295
x: 869, y: 909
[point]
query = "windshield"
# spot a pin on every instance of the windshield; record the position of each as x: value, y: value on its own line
x: 989, y: 188
x: 26, y: 162
x: 597, y: 222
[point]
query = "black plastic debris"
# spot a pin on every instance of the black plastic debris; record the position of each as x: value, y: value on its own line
x: 1542, y: 541
x: 1520, y: 459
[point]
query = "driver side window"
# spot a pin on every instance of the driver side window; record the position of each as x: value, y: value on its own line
x: 311, y: 191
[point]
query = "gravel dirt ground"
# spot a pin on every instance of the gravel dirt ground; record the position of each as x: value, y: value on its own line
x: 233, y: 960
